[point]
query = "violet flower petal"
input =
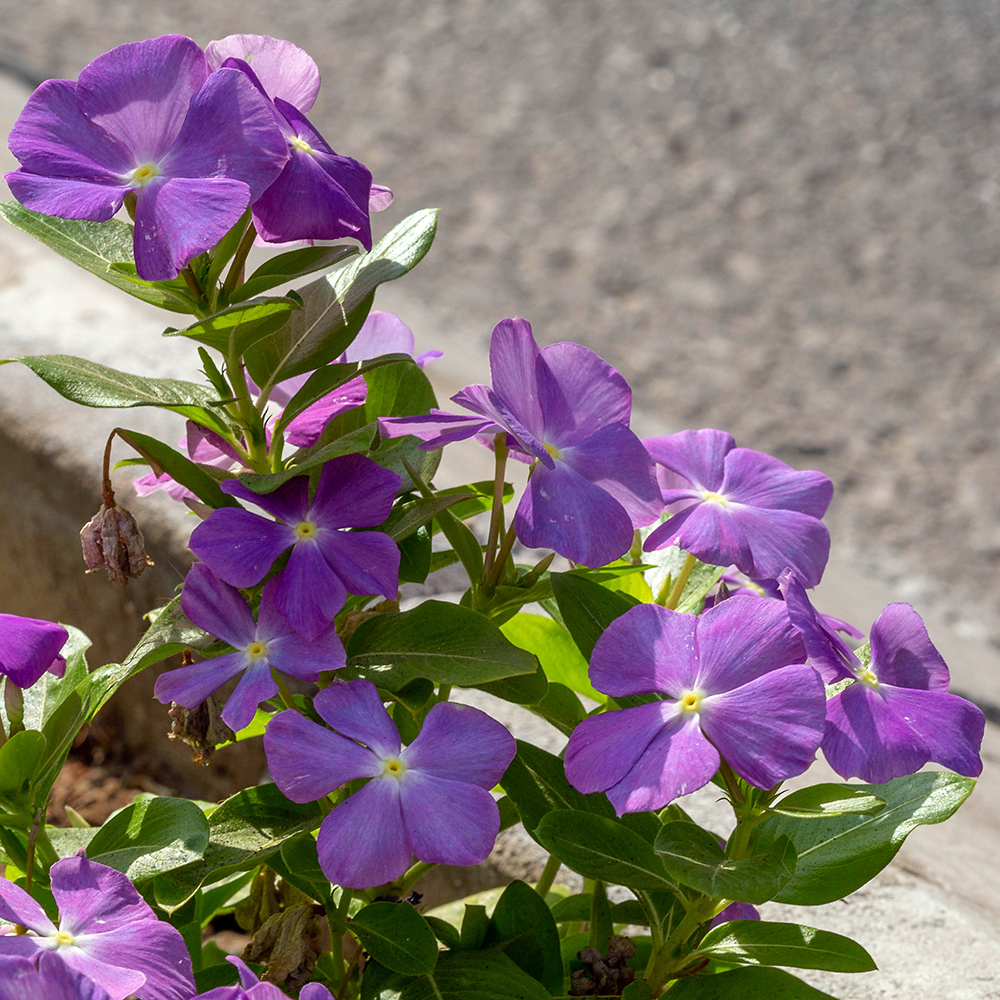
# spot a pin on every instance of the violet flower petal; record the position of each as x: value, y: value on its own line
x: 355, y: 710
x: 381, y: 333
x: 362, y: 843
x: 482, y: 399
x: 17, y: 907
x: 239, y: 547
x: 307, y: 427
x: 513, y: 358
x: 256, y: 685
x: 315, y: 991
x: 649, y: 648
x: 561, y: 510
x: 284, y: 70
x: 28, y: 647
x: 779, y: 539
x: 902, y: 652
x: 770, y: 728
x: 461, y: 743
x: 447, y: 822
x: 826, y: 650
x: 51, y: 979
x: 217, y: 607
x: 289, y: 502
x: 190, y: 686
x: 367, y: 562
x: 297, y: 656
x: 353, y: 492
x: 709, y: 532
x: 698, y: 456
x: 308, y: 761
x: 437, y: 428
x: 309, y: 592
x: 678, y: 761
x: 761, y: 480
x: 67, y: 197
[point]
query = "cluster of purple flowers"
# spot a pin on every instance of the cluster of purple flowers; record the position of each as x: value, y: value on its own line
x: 195, y: 139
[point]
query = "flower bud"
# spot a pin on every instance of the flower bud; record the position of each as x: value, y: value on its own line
x: 112, y: 541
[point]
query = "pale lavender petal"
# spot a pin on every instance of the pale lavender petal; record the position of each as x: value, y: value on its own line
x: 677, y: 762
x: 562, y: 511
x: 707, y: 531
x: 367, y: 562
x: 951, y: 727
x: 308, y: 761
x: 117, y: 981
x: 309, y: 593
x: 17, y: 907
x: 139, y: 92
x: 304, y: 658
x: 604, y: 748
x: 379, y: 199
x: 362, y: 843
x: 779, y: 539
x: 306, y: 428
x: 217, y: 607
x: 649, y: 648
x: 17, y: 945
x: 240, y: 547
x: 761, y: 480
x: 190, y: 686
x: 382, y: 333
x: 289, y: 502
x: 256, y: 685
x: 95, y: 201
x: 614, y: 459
x: 356, y: 710
x: 52, y: 136
x: 437, y: 428
x: 177, y: 218
x: 57, y: 981
x: 743, y: 638
x: 513, y: 357
x: 769, y: 729
x: 248, y: 977
x: 353, y: 492
x: 150, y: 483
x: 902, y: 652
x: 229, y: 132
x: 698, y: 456
x: 482, y: 399
x: 461, y: 743
x: 284, y: 70
x: 208, y: 448
x: 579, y: 393
x: 426, y: 357
x: 827, y: 652
x: 866, y: 739
x: 448, y: 822
x: 28, y: 647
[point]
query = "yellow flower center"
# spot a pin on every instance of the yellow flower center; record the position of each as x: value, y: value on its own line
x: 553, y: 451
x: 300, y: 144
x: 690, y: 702
x: 868, y: 676
x: 257, y: 650
x: 63, y: 938
x: 141, y: 176
x: 305, y: 530
x: 709, y: 497
x: 393, y: 767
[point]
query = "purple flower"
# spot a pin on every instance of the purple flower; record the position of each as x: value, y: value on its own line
x: 148, y: 118
x: 283, y: 69
x: 29, y: 647
x: 896, y: 714
x: 251, y: 988
x: 741, y: 507
x: 566, y: 411
x: 106, y: 931
x: 326, y: 562
x: 200, y: 445
x: 430, y: 800
x: 735, y: 911
x: 735, y: 685
x: 50, y: 979
x: 268, y: 643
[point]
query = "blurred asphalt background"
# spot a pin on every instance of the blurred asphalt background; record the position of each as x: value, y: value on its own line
x: 775, y: 218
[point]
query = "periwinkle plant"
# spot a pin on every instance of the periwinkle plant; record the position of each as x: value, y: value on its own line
x: 685, y: 566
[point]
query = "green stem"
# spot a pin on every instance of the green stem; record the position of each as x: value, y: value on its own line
x: 444, y: 692
x: 668, y: 958
x: 682, y: 578
x: 664, y: 592
x: 598, y: 897
x: 256, y: 447
x: 13, y: 698
x: 496, y: 514
x: 235, y: 277
x: 413, y: 875
x: 286, y: 695
x: 493, y: 578
x: 548, y: 876
x: 653, y: 916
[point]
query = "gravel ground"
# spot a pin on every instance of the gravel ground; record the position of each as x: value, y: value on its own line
x: 776, y: 218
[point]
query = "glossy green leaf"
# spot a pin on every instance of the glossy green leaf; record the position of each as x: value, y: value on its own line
x: 475, y: 924
x: 151, y: 836
x: 45, y: 696
x: 298, y: 864
x: 586, y: 607
x: 291, y: 266
x: 761, y: 942
x: 237, y: 328
x: 446, y: 643
x: 444, y: 932
x: 415, y: 556
x: 406, y: 518
x: 837, y: 856
x: 749, y: 982
x: 826, y: 800
x: 561, y: 707
x: 522, y: 926
x: 602, y: 848
x: 694, y: 858
x: 396, y: 936
x: 94, y: 246
x: 552, y: 644
x: 525, y: 689
x: 20, y: 757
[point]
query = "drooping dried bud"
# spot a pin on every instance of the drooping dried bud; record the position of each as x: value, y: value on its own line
x: 606, y: 975
x: 201, y: 728
x: 113, y: 542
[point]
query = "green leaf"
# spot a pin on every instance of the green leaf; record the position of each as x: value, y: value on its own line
x: 298, y: 864
x: 475, y: 924
x: 335, y: 306
x: 291, y: 266
x: 415, y: 556
x: 760, y: 942
x: 20, y: 757
x: 151, y: 836
x: 94, y: 246
x: 480, y: 497
x: 525, y: 689
x: 45, y: 696
x: 552, y: 644
x: 179, y: 467
x: 396, y: 936
x: 602, y: 848
x: 586, y: 607
x: 445, y: 643
x: 694, y: 858
x: 444, y: 932
x: 237, y: 328
x: 749, y: 982
x: 837, y: 856
x: 522, y: 924
x: 638, y: 990
x: 671, y: 561
x: 244, y: 830
x: 826, y: 800
x: 406, y: 518
x: 90, y: 384
x: 561, y: 707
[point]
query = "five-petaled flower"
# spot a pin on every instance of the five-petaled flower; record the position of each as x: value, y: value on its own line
x: 736, y: 506
x: 735, y: 685
x: 431, y: 800
x: 567, y: 412
x: 896, y: 714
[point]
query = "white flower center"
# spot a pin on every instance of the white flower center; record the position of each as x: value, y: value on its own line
x: 257, y: 650
x: 709, y: 497
x: 63, y: 938
x: 393, y: 767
